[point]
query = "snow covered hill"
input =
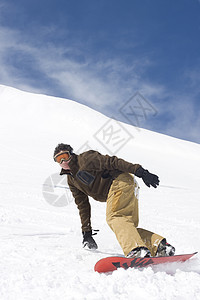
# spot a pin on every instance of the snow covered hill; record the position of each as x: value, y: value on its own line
x: 41, y: 252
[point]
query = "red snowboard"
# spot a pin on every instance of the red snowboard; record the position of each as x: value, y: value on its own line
x: 112, y: 263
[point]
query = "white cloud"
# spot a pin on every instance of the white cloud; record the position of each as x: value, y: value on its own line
x: 93, y: 81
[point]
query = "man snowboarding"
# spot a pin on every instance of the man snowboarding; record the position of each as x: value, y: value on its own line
x: 108, y: 179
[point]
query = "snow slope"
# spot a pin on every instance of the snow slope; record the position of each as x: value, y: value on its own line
x: 41, y: 253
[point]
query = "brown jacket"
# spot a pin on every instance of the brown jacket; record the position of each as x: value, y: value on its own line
x: 104, y: 169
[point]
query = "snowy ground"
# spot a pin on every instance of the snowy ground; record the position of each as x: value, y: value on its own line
x: 41, y: 253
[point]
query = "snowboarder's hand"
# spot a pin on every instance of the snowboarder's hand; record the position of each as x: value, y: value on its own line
x: 148, y: 178
x: 88, y: 241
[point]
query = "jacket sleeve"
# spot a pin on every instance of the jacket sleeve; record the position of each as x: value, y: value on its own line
x: 97, y: 161
x: 84, y: 207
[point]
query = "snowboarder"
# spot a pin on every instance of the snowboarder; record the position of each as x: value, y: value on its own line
x: 109, y: 179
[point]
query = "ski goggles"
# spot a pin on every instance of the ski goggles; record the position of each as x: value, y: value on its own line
x: 62, y: 156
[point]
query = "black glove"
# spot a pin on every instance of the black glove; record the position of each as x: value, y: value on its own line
x: 148, y: 178
x: 88, y: 241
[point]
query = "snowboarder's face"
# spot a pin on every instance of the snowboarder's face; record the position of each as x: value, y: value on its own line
x: 63, y: 158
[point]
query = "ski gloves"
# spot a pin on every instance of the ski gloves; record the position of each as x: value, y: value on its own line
x: 148, y: 178
x: 88, y: 241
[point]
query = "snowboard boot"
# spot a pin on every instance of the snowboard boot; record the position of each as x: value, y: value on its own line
x: 165, y: 249
x: 139, y: 252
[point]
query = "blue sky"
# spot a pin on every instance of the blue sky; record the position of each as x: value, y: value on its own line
x: 106, y: 54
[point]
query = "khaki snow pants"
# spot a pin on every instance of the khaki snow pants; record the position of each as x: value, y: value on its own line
x: 122, y: 216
